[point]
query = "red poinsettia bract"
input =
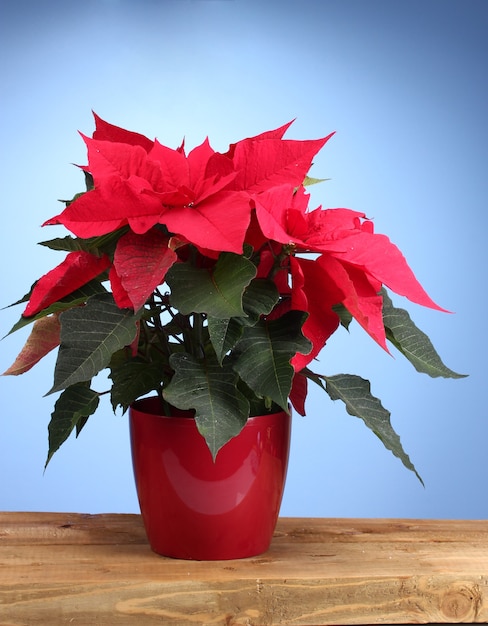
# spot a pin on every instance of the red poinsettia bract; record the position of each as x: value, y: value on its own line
x: 78, y: 269
x: 252, y: 194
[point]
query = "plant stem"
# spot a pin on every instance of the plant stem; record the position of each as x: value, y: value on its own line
x: 198, y: 350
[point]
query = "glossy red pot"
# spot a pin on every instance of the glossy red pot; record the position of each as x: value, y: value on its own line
x: 195, y: 508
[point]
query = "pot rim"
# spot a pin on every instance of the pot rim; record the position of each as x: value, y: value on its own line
x: 151, y: 406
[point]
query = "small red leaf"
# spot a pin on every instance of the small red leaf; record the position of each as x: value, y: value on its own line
x: 114, y: 204
x: 141, y: 263
x: 108, y: 132
x: 298, y: 393
x: 173, y: 165
x: 261, y: 165
x: 341, y: 233
x: 360, y: 297
x: 376, y: 255
x: 76, y: 270
x: 314, y: 292
x: 107, y: 159
x: 119, y: 293
x: 277, y: 133
x: 281, y: 213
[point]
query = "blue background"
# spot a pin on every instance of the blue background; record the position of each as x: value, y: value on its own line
x: 404, y: 84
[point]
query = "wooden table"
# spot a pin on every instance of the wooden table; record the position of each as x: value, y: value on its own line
x: 66, y: 568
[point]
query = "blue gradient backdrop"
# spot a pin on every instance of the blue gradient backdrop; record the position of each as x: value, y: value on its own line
x: 404, y: 84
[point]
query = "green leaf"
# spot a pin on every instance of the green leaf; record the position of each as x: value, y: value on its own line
x: 132, y: 379
x: 68, y: 243
x: 90, y: 335
x: 257, y: 405
x: 344, y: 315
x: 355, y: 392
x: 224, y: 335
x: 220, y: 409
x: 309, y: 180
x: 412, y: 342
x: 95, y: 245
x: 89, y: 184
x: 217, y: 293
x: 264, y: 354
x: 72, y: 409
x: 259, y: 299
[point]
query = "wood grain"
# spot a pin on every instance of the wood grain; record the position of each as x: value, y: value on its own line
x: 66, y: 568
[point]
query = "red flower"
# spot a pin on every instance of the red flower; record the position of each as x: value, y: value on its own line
x: 353, y: 265
x: 253, y: 193
x: 203, y: 197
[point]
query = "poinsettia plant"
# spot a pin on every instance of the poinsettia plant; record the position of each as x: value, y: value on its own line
x: 205, y: 278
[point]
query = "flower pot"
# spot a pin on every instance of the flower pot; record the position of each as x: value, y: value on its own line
x: 195, y: 508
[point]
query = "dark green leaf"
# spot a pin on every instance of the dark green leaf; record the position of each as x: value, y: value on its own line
x: 220, y: 409
x: 412, y: 342
x: 80, y: 296
x: 94, y: 245
x: 90, y: 335
x: 132, y: 379
x: 257, y: 405
x: 80, y: 424
x: 68, y: 244
x: 24, y: 298
x: 217, y: 293
x: 224, y: 334
x: 259, y: 299
x: 88, y: 181
x: 75, y: 197
x: 72, y: 409
x: 264, y: 354
x: 89, y: 184
x: 344, y: 315
x: 355, y: 392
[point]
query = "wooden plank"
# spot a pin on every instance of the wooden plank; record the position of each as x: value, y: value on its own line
x: 61, y: 568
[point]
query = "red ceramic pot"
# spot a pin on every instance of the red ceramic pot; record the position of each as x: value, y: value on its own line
x: 195, y: 508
